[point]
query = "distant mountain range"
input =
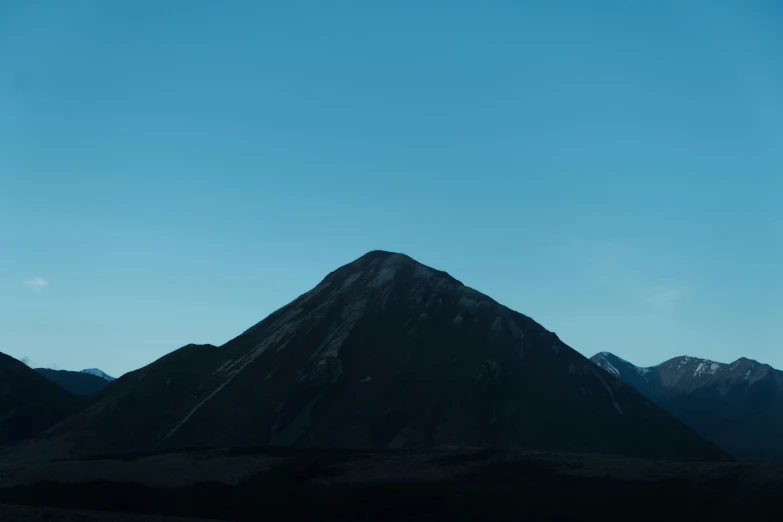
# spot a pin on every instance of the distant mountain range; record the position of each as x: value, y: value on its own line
x: 384, y: 353
x: 85, y: 382
x: 738, y: 406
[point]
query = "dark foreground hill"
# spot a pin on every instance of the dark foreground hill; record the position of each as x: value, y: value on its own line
x: 383, y: 353
x: 277, y: 484
x: 29, y: 403
x: 738, y: 406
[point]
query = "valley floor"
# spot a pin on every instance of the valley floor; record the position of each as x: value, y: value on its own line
x: 36, y: 514
x: 449, y: 484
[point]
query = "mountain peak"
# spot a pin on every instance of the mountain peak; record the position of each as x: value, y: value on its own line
x: 378, y: 268
x: 383, y: 258
x: 618, y: 366
x: 384, y: 254
x: 684, y: 370
x: 744, y: 361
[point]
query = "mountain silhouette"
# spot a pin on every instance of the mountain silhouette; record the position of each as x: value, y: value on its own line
x: 384, y: 353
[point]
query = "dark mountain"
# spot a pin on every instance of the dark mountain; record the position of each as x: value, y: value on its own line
x: 384, y: 353
x: 739, y: 406
x: 78, y: 383
x: 29, y: 403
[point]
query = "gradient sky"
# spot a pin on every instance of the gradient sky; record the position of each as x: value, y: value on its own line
x: 172, y: 172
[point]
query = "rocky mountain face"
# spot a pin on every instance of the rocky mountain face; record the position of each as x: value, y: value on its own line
x: 29, y: 403
x: 383, y: 353
x: 739, y: 406
x: 78, y: 383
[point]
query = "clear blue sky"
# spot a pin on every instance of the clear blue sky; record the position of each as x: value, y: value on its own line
x: 172, y: 172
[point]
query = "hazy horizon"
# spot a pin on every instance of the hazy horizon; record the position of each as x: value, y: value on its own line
x: 171, y: 174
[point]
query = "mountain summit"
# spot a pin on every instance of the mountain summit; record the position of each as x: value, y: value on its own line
x: 384, y: 353
x: 739, y: 405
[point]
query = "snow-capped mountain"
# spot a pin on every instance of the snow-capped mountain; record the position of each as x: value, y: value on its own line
x: 738, y: 405
x: 384, y: 353
x: 99, y: 373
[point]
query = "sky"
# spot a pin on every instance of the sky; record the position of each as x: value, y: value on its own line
x: 172, y: 172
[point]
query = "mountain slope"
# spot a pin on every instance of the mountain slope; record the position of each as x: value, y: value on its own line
x: 29, y: 403
x: 384, y: 353
x: 739, y: 406
x: 78, y: 383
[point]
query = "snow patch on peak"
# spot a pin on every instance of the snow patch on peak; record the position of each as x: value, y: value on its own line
x: 98, y: 373
x: 606, y: 355
x: 706, y: 368
x: 601, y: 359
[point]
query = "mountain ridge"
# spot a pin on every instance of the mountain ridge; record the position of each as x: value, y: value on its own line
x: 738, y: 405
